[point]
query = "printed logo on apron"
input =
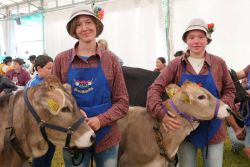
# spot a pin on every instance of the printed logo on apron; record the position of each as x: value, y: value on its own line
x: 83, y: 86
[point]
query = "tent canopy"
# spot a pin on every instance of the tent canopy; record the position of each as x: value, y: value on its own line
x: 12, y: 9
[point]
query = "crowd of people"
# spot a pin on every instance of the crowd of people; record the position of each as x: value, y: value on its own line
x: 97, y: 81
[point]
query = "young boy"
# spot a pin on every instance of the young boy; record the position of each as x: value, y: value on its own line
x: 43, y: 65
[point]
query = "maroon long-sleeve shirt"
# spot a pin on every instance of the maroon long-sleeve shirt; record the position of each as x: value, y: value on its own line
x: 114, y: 75
x: 172, y: 74
x: 23, y: 76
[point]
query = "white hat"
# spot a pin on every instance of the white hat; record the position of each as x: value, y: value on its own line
x: 197, y: 24
x: 96, y: 13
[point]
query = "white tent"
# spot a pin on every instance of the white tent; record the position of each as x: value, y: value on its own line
x: 136, y: 32
x: 230, y: 38
x: 134, y: 29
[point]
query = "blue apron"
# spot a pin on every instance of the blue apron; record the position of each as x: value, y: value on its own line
x: 206, y: 130
x: 92, y: 93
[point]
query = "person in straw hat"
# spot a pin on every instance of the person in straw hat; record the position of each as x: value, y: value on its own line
x: 207, y: 70
x: 97, y: 82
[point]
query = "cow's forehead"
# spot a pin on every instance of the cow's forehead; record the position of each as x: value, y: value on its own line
x: 191, y: 87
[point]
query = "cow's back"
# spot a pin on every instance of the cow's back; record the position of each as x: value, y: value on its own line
x: 138, y: 134
x: 137, y: 82
x: 4, y: 103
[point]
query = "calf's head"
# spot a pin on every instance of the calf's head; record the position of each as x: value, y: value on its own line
x: 55, y: 105
x: 198, y: 104
x: 197, y: 101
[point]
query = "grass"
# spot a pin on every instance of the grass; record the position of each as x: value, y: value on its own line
x: 230, y: 159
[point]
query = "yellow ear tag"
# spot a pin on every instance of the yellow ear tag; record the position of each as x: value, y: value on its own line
x: 186, y: 99
x: 170, y: 93
x: 53, y: 105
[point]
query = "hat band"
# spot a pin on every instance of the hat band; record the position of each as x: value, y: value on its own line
x: 197, y: 26
x: 87, y: 11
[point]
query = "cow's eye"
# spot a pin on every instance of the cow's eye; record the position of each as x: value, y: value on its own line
x: 65, y: 109
x: 201, y: 97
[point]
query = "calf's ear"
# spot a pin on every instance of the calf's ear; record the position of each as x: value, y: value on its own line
x: 67, y: 87
x: 185, y: 97
x: 55, y: 101
x: 171, y: 89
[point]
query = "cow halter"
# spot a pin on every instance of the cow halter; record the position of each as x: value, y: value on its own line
x: 189, y: 118
x: 42, y: 124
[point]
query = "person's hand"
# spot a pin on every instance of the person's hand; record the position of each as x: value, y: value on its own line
x: 171, y: 122
x: 94, y: 123
x: 83, y: 114
x: 241, y: 134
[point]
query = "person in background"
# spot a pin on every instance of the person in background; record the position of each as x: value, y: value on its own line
x: 98, y: 86
x: 32, y: 61
x: 179, y: 53
x: 43, y: 65
x: 244, y: 82
x: 245, y: 73
x: 235, y: 124
x: 207, y: 70
x: 18, y: 72
x: 6, y: 65
x: 235, y: 132
x: 103, y: 44
x: 160, y: 64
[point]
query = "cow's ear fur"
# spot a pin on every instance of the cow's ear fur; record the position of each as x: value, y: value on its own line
x: 55, y: 101
x: 171, y: 89
x: 67, y: 87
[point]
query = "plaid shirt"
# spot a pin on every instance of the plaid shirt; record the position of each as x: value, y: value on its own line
x: 172, y: 74
x: 114, y: 75
x: 22, y: 76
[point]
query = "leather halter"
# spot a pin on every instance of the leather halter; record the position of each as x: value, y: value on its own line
x: 11, y: 139
x: 42, y: 124
x: 189, y: 118
x: 159, y: 141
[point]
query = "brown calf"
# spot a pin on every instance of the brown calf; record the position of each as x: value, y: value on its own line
x: 140, y: 132
x: 55, y: 106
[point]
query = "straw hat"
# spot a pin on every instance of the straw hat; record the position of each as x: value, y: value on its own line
x: 96, y: 12
x: 198, y: 24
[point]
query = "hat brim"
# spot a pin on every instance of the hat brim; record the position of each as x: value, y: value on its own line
x: 196, y: 27
x: 84, y: 12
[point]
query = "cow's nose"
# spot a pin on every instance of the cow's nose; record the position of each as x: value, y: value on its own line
x: 92, y: 138
x: 229, y: 110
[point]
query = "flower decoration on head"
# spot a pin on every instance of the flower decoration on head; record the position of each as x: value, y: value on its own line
x: 210, y: 28
x: 99, y: 12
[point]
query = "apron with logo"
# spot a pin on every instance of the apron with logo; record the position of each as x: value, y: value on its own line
x: 92, y: 93
x: 206, y: 130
